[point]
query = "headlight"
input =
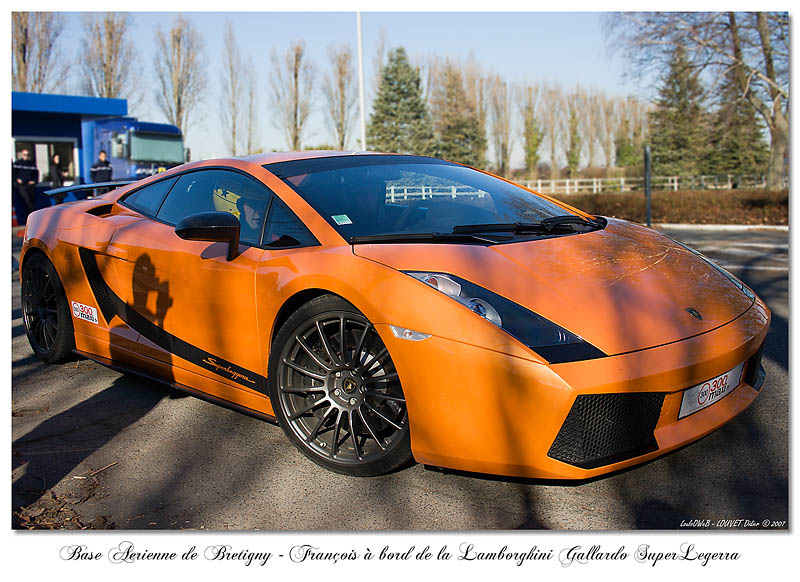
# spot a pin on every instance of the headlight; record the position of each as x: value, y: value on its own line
x: 552, y: 342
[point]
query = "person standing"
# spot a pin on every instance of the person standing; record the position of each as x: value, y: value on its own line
x: 101, y: 169
x: 57, y: 175
x: 25, y: 175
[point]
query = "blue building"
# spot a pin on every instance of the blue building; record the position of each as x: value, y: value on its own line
x: 77, y: 128
x: 60, y: 124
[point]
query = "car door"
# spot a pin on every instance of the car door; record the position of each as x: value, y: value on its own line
x: 193, y: 308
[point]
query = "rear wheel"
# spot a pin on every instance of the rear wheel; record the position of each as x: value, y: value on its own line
x: 45, y: 311
x: 335, y: 390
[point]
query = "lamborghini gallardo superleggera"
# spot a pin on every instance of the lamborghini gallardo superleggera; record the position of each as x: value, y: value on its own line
x: 389, y: 308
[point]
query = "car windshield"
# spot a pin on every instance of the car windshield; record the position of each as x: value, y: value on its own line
x: 375, y: 195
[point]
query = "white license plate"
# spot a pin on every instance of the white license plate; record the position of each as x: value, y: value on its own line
x: 711, y: 391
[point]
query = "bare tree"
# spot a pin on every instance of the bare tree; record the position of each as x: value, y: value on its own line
x: 36, y: 65
x: 107, y: 59
x: 339, y: 89
x: 552, y: 113
x: 231, y: 110
x: 591, y: 124
x: 292, y: 92
x: 251, y: 117
x: 378, y: 60
x: 608, y: 109
x: 475, y: 84
x: 179, y: 67
x: 431, y: 69
x: 754, y: 46
x: 500, y: 109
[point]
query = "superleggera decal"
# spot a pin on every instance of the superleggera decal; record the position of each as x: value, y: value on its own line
x: 162, y: 338
x: 235, y: 376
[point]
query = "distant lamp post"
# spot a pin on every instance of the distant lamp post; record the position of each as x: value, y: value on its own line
x: 647, y: 181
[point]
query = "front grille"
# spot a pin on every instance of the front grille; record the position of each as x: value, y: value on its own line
x: 601, y: 429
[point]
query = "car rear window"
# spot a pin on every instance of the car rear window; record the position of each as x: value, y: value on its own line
x: 147, y: 200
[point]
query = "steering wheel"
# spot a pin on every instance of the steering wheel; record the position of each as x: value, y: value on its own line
x: 409, y: 210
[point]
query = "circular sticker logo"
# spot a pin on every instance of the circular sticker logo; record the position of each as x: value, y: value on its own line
x: 702, y: 396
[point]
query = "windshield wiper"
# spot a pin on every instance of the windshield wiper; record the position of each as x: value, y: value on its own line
x: 515, y: 227
x: 545, y: 226
x: 570, y: 219
x: 427, y: 237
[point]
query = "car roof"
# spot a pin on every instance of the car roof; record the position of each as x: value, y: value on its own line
x: 272, y: 157
x: 258, y: 159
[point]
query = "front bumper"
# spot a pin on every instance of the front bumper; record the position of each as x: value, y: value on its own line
x: 478, y: 410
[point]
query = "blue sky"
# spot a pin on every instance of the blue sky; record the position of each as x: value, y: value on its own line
x: 523, y: 47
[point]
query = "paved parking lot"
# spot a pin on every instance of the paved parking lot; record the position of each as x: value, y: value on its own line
x: 95, y: 448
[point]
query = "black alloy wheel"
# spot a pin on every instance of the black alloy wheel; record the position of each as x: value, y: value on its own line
x: 336, y: 392
x: 45, y: 311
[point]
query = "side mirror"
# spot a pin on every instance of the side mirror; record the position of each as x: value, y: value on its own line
x: 212, y: 227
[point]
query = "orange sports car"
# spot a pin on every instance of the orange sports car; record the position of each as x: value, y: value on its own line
x: 387, y: 308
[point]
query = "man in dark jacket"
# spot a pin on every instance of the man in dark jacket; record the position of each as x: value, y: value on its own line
x: 24, y: 176
x: 101, y: 170
x: 57, y: 175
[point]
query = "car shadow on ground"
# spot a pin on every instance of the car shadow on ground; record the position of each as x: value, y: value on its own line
x: 41, y: 458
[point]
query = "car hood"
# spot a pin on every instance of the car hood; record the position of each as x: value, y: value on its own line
x: 622, y: 289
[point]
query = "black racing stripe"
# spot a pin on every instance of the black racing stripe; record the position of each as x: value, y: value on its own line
x: 174, y: 345
x: 573, y: 352
x: 99, y: 287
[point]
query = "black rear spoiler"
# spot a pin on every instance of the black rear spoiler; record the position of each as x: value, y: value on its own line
x: 105, y: 186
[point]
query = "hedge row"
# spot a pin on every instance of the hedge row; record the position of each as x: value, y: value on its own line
x: 690, y: 206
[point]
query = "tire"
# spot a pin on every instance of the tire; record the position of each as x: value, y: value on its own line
x: 45, y: 311
x: 339, y: 402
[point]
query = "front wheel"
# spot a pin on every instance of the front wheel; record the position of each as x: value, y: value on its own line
x: 335, y: 390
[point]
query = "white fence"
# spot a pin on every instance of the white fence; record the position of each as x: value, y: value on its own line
x: 398, y: 194
x: 597, y: 185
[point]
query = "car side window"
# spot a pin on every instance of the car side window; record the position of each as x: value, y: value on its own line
x: 147, y: 200
x: 284, y: 229
x: 221, y: 190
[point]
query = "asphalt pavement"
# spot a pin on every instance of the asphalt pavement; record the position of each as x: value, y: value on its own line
x: 93, y: 448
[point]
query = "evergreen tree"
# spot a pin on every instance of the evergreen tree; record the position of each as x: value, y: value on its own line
x: 736, y: 141
x: 678, y: 126
x: 460, y: 134
x: 626, y: 154
x: 400, y: 121
x: 500, y: 110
